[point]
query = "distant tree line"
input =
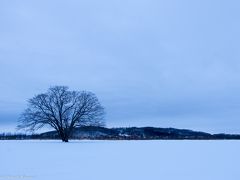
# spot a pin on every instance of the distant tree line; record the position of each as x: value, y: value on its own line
x: 131, y: 133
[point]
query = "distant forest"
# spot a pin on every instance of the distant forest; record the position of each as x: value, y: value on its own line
x: 131, y: 133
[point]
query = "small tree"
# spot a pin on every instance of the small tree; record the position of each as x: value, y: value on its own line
x: 62, y: 110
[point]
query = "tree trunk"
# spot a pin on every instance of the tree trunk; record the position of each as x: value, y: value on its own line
x: 63, y: 135
x: 65, y: 139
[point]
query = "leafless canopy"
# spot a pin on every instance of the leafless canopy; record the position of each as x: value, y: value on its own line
x: 63, y: 110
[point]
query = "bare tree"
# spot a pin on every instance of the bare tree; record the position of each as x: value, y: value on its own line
x: 62, y: 110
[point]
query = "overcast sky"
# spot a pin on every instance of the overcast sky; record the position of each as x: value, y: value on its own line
x: 165, y: 63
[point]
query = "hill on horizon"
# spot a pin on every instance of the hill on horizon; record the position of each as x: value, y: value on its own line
x: 138, y: 133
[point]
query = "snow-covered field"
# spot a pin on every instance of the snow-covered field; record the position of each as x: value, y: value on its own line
x: 120, y: 160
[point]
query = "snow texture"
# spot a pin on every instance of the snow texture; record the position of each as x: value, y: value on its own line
x: 120, y: 160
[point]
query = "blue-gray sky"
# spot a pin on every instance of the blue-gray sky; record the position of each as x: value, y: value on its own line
x: 151, y: 62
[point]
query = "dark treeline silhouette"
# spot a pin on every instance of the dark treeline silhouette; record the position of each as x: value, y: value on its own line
x: 131, y: 133
x: 18, y: 136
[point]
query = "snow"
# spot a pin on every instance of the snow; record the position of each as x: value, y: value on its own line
x: 120, y: 160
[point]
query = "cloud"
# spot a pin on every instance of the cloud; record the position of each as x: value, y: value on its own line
x: 144, y: 59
